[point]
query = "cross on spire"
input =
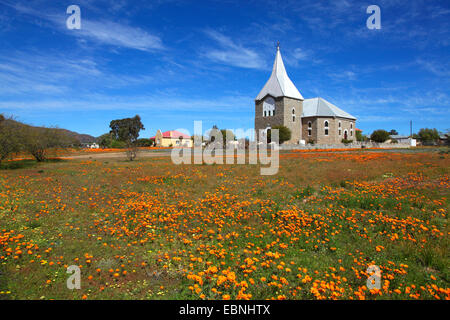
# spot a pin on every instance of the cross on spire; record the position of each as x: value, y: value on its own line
x: 278, y: 45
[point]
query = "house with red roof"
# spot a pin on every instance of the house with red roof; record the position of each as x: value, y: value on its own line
x: 172, y: 138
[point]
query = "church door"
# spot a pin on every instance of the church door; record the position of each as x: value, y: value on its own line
x: 345, y: 134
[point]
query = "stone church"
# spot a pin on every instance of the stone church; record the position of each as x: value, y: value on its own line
x: 310, y: 120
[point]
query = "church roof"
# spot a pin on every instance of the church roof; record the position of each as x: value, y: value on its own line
x: 279, y: 84
x: 319, y: 107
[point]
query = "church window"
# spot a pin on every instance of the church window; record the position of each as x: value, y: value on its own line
x: 309, y: 128
x: 339, y: 124
x: 326, y: 127
x: 351, y: 125
x: 269, y: 107
x: 351, y: 133
x: 340, y: 131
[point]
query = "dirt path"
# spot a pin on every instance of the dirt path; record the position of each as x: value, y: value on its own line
x: 155, y: 154
x: 114, y: 155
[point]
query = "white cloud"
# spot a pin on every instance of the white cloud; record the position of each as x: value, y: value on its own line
x: 115, y: 34
x: 38, y: 74
x: 100, y: 31
x: 233, y: 54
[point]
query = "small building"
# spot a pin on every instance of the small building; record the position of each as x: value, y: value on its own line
x: 94, y: 146
x: 402, y: 139
x: 399, y: 138
x: 90, y: 145
x: 172, y: 138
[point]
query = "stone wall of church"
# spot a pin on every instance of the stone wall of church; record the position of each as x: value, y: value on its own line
x: 346, y: 125
x: 284, y: 108
x: 318, y: 134
x: 293, y: 110
x: 309, y: 135
x: 283, y: 116
x: 262, y: 122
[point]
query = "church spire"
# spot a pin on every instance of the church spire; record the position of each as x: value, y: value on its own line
x: 279, y: 84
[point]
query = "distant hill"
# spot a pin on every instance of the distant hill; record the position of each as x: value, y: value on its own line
x: 82, y: 138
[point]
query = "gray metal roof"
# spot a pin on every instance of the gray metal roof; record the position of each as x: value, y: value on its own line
x: 279, y: 84
x: 319, y: 107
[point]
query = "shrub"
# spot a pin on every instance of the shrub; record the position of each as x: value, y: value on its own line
x: 116, y: 144
x: 379, y: 136
x: 346, y: 141
x: 284, y: 134
x: 144, y: 142
x: 428, y: 135
x: 360, y: 136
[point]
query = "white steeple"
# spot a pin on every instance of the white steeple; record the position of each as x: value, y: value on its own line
x: 279, y: 84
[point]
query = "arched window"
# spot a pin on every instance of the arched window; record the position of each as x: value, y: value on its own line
x: 309, y: 128
x: 293, y: 114
x: 269, y: 107
x: 351, y: 132
x: 340, y: 131
x: 326, y: 127
x: 339, y: 124
x: 351, y: 125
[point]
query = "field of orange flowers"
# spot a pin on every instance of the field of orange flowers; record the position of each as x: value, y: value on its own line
x: 149, y: 229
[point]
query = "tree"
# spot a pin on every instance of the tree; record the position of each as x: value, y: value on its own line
x: 379, y: 136
x: 105, y: 140
x: 227, y: 135
x: 39, y: 140
x: 9, y: 137
x: 127, y: 130
x: 428, y: 135
x: 360, y: 136
x: 144, y: 142
x: 284, y: 134
x: 393, y: 132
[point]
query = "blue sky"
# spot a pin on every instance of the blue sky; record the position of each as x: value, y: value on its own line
x: 174, y: 61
